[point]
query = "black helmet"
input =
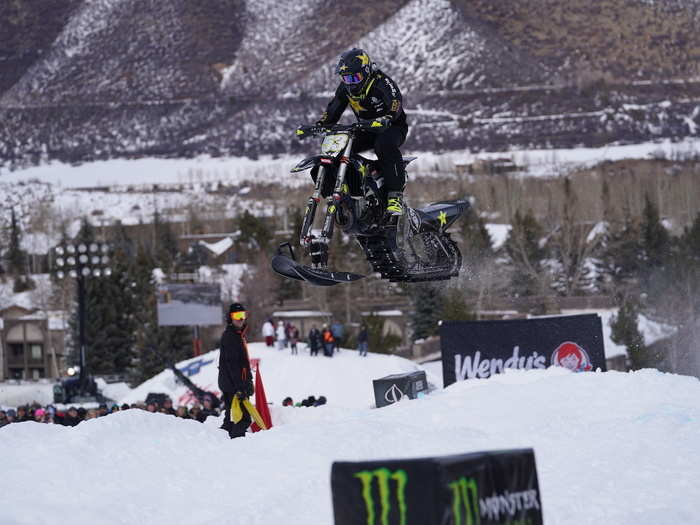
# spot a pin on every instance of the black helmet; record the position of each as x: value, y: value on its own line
x: 235, y: 308
x: 355, y: 69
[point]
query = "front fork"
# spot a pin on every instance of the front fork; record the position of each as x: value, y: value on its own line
x: 318, y: 247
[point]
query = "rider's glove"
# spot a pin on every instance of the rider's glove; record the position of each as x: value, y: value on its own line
x: 377, y: 125
x: 301, y: 132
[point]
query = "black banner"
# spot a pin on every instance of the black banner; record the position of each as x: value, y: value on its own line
x: 484, y: 488
x: 479, y: 349
x: 393, y: 388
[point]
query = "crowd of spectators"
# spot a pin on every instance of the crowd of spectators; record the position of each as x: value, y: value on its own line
x: 327, y: 340
x: 310, y: 401
x: 71, y: 416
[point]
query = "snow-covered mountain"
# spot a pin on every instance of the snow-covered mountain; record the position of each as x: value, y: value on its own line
x: 99, y: 79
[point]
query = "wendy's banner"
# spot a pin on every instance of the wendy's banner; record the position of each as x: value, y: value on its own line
x: 479, y: 349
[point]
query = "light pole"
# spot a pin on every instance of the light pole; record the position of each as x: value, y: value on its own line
x: 81, y: 261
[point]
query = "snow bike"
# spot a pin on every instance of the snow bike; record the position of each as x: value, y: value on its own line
x: 412, y: 247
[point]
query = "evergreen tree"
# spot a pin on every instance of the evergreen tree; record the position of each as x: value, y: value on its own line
x: 156, y: 347
x: 476, y: 242
x: 255, y: 233
x: 655, y: 240
x: 16, y: 258
x: 112, y: 307
x: 622, y: 256
x: 454, y: 307
x: 673, y: 289
x: 378, y: 341
x: 625, y: 331
x: 427, y: 302
x: 527, y: 250
x: 166, y: 249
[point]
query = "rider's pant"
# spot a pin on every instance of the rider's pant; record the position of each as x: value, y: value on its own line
x: 386, y: 146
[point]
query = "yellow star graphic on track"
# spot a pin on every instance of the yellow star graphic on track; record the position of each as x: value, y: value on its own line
x: 364, y: 58
x: 442, y: 217
x: 343, y: 67
x: 356, y: 106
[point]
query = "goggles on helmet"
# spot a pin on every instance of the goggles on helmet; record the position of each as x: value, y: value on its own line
x: 352, y: 78
x: 238, y: 316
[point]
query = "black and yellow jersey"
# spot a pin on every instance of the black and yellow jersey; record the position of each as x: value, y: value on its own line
x: 380, y: 98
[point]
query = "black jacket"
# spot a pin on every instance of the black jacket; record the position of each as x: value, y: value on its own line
x: 315, y: 338
x: 234, y: 364
x: 380, y: 98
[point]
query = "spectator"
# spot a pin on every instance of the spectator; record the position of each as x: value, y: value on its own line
x: 281, y: 336
x: 125, y: 406
x: 288, y: 402
x: 363, y: 340
x: 81, y: 414
x: 320, y: 401
x: 208, y: 409
x: 294, y: 339
x: 309, y: 401
x: 92, y: 414
x: 71, y: 418
x: 168, y: 406
x: 115, y: 408
x: 235, y: 377
x: 315, y: 340
x: 3, y: 418
x: 288, y: 333
x: 268, y: 332
x: 11, y: 416
x: 194, y: 412
x: 152, y: 407
x: 102, y: 410
x: 22, y: 414
x: 39, y: 415
x: 182, y: 412
x: 338, y: 332
x: 328, y: 341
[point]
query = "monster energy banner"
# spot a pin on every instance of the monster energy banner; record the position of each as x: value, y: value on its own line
x: 479, y: 349
x: 484, y: 488
x: 393, y: 388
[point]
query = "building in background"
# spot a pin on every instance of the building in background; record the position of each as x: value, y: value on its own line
x: 31, y: 344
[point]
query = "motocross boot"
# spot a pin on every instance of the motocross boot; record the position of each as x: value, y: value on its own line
x: 394, y: 203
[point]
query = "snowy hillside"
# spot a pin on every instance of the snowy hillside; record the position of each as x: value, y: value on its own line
x: 345, y: 380
x: 430, y: 46
x: 163, y: 51
x: 131, y: 78
x: 611, y: 448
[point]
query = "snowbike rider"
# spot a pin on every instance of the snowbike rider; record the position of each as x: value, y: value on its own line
x: 376, y: 101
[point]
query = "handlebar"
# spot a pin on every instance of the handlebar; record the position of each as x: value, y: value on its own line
x: 311, y: 131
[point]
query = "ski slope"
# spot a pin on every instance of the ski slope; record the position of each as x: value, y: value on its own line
x: 614, y: 448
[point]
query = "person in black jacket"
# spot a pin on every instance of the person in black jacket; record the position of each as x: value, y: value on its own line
x: 377, y: 103
x: 235, y: 378
x: 315, y: 340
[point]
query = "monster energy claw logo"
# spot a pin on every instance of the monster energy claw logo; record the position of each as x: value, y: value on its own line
x: 465, y: 502
x: 384, y: 478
